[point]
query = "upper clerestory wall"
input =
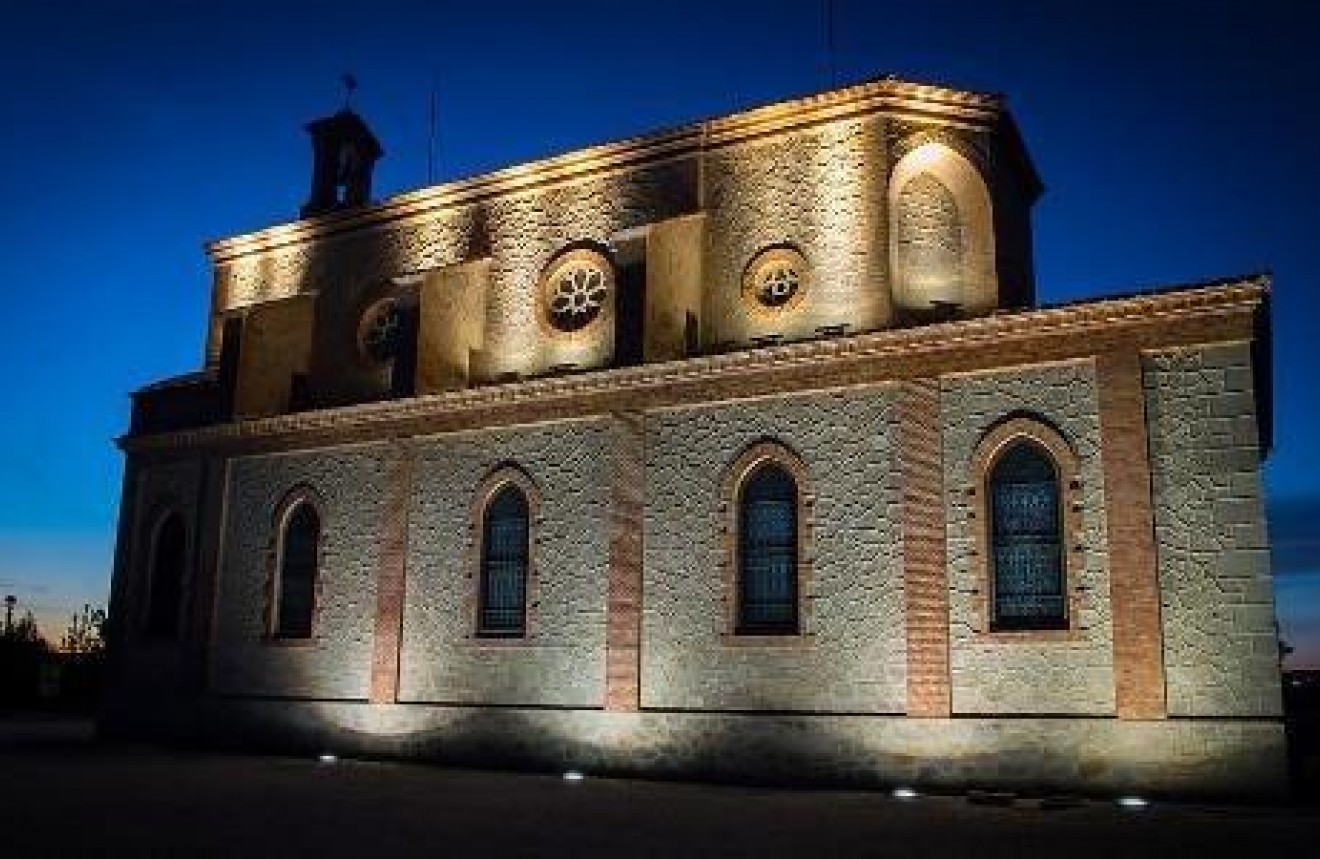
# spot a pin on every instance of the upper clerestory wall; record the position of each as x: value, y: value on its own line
x: 812, y: 175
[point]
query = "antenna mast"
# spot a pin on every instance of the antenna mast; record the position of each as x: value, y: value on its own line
x: 430, y: 137
x: 829, y: 44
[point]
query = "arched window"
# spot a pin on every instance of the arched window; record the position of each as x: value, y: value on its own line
x: 768, y: 553
x: 1026, y: 536
x: 502, y: 612
x: 165, y: 585
x: 300, y: 549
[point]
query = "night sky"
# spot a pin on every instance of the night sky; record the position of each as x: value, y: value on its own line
x: 1176, y: 144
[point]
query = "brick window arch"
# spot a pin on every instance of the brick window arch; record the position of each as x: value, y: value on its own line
x: 165, y: 577
x: 504, y: 514
x: 767, y: 535
x: 296, y: 569
x: 1027, y: 503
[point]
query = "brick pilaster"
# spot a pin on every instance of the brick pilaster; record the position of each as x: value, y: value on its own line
x: 925, y: 576
x: 623, y: 635
x: 1134, y: 591
x: 391, y: 579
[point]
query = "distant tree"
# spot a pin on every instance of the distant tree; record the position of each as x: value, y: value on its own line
x: 22, y: 653
x: 24, y: 633
x: 86, y: 632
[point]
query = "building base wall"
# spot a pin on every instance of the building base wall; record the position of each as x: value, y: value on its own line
x: 1202, y: 758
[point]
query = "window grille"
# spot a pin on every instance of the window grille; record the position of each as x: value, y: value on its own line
x: 1026, y: 539
x: 767, y: 554
x: 504, y: 555
x: 299, y: 551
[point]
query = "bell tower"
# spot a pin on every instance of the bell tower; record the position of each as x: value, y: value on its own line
x: 344, y: 152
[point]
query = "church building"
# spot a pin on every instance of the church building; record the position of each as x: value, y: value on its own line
x: 742, y: 450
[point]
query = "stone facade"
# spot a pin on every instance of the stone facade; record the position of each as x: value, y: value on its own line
x: 850, y: 655
x: 561, y: 662
x: 1220, y: 644
x: 335, y: 663
x: 882, y: 387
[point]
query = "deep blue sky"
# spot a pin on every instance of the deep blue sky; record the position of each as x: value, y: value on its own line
x: 1176, y: 143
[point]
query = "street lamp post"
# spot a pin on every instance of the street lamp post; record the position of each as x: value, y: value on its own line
x: 10, y: 602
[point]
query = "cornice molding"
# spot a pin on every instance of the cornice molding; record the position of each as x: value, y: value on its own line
x: 900, y: 98
x: 1164, y: 311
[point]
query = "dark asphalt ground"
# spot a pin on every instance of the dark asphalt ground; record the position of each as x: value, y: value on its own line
x: 61, y: 795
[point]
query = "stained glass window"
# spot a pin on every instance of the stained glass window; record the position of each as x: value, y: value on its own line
x: 503, y: 609
x: 767, y: 553
x: 1027, y: 545
x: 299, y: 558
x: 165, y: 585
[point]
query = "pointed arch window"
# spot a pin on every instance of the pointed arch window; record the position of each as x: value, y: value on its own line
x: 505, y: 540
x: 299, y: 562
x: 165, y: 582
x: 1026, y: 535
x: 768, y: 553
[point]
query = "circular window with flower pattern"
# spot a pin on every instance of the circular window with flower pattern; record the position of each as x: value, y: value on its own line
x: 776, y: 280
x: 576, y: 290
x: 379, y: 332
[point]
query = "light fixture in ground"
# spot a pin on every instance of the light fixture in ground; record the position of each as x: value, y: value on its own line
x: 904, y: 793
x: 1132, y: 802
x: 573, y: 775
x: 327, y: 758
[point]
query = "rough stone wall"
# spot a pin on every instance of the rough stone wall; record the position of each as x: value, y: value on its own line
x: 1181, y: 758
x: 1220, y: 646
x: 528, y: 230
x: 929, y: 237
x: 336, y: 662
x: 562, y: 661
x: 995, y: 675
x: 821, y: 190
x: 151, y: 667
x: 853, y: 657
x: 172, y: 486
x: 351, y: 263
x: 521, y: 232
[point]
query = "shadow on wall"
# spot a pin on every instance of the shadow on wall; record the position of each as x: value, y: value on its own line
x: 1030, y: 756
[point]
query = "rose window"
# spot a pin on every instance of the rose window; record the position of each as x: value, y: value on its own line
x: 778, y: 284
x: 576, y: 295
x: 379, y: 337
x: 776, y: 280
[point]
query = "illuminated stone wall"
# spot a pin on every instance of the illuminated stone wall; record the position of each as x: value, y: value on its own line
x: 825, y: 190
x: 336, y: 662
x: 562, y: 662
x: 1026, y: 674
x: 521, y: 233
x: 1150, y: 758
x: 943, y: 241
x: 820, y: 190
x: 853, y: 657
x: 528, y: 230
x: 1220, y: 645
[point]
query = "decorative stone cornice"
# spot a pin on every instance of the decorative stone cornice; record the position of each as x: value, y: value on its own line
x: 1185, y: 316
x: 912, y: 100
